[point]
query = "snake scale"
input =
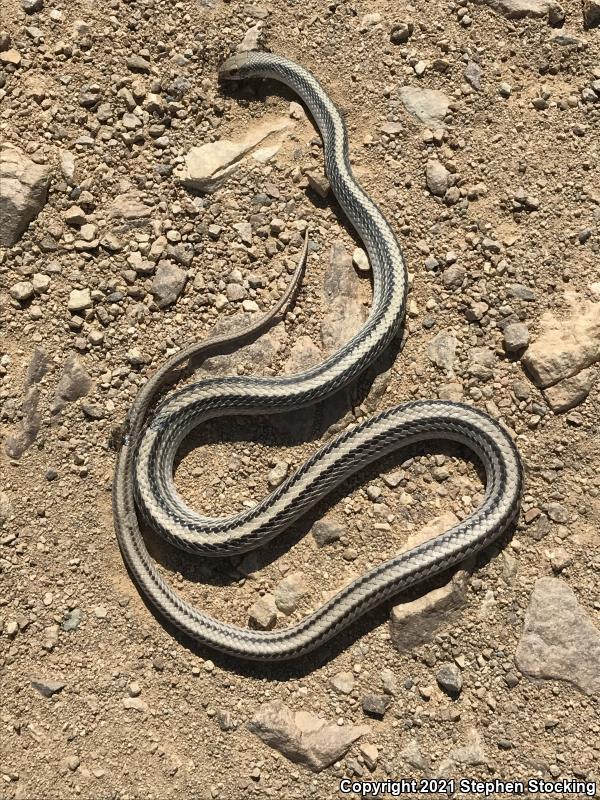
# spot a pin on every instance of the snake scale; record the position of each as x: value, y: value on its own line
x: 143, y: 481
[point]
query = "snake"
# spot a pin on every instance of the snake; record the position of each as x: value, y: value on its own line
x: 143, y: 485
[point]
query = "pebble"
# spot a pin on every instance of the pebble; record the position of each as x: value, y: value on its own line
x: 138, y: 64
x: 401, y: 32
x: 79, y: 300
x: 168, y: 284
x: 22, y: 291
x: 318, y: 183
x: 559, y: 640
x: 290, y: 591
x: 342, y: 682
x: 278, y: 473
x: 516, y: 337
x: 325, y: 531
x: 437, y: 178
x: 361, y: 260
x: 429, y: 106
x: 263, y: 613
x: 375, y: 705
x: 450, y: 679
x: 303, y: 737
x: 47, y: 687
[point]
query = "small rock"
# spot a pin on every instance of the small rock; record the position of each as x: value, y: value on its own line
x: 290, y: 591
x: 519, y: 9
x: 472, y: 752
x: 375, y: 705
x: 278, y: 474
x: 430, y: 106
x: 75, y: 381
x: 453, y: 276
x: 325, y: 531
x: 566, y: 345
x: 135, y: 704
x: 591, y: 13
x: 47, y: 687
x: 361, y: 260
x: 401, y: 32
x: 318, y: 183
x: 252, y: 39
x: 567, y: 394
x: 416, y: 621
x: 442, y: 350
x: 473, y: 75
x: 516, y: 337
x: 389, y: 682
x: 32, y: 6
x: 437, y: 178
x: 263, y: 613
x: 449, y: 679
x: 208, y: 165
x: 22, y: 291
x: 342, y: 682
x: 168, y: 283
x: 79, y: 300
x: 138, y: 64
x: 370, y: 753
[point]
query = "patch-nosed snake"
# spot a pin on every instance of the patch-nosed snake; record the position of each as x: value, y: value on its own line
x: 144, y: 473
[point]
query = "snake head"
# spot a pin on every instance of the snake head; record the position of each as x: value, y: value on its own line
x: 236, y: 68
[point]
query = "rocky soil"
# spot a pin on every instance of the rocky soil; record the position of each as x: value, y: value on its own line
x: 142, y: 208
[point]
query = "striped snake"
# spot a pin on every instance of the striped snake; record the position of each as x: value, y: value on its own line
x: 144, y: 474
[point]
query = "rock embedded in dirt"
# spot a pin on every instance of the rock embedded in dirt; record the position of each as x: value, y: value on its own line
x: 473, y: 74
x: 401, y: 32
x: 342, y: 682
x: 47, y: 687
x: 207, y: 166
x: 442, y: 350
x: 520, y: 9
x: 345, y: 312
x: 429, y: 106
x: 290, y: 591
x: 559, y: 640
x: 516, y: 337
x: 437, y: 177
x: 450, y: 679
x: 74, y: 383
x: 23, y: 192
x: 263, y: 613
x: 565, y: 395
x: 79, y: 300
x: 168, y: 283
x: 566, y: 345
x: 303, y: 737
x: 472, y: 752
x: 325, y: 531
x: 375, y: 705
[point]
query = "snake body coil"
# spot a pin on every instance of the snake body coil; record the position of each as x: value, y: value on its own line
x: 144, y: 474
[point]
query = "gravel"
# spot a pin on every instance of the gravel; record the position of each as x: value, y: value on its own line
x: 148, y: 208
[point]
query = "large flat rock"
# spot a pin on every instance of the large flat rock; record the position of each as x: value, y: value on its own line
x: 559, y: 640
x: 303, y: 737
x: 566, y: 345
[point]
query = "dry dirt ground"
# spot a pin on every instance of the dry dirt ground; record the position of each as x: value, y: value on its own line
x: 111, y: 96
